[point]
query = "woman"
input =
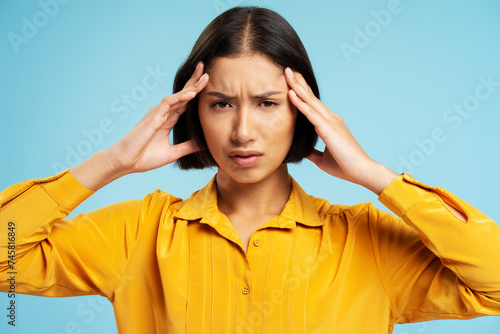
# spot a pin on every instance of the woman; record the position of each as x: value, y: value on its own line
x: 251, y: 251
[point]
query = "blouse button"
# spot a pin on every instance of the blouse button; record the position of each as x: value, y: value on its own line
x: 256, y: 242
x: 245, y: 290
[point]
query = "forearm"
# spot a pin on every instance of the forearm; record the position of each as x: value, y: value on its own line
x: 33, y: 206
x: 376, y: 178
x: 379, y: 177
x: 96, y: 171
x: 57, y: 256
x: 466, y: 246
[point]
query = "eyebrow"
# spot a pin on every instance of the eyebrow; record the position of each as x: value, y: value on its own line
x: 258, y: 96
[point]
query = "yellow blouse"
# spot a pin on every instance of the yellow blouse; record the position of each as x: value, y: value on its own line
x: 173, y: 266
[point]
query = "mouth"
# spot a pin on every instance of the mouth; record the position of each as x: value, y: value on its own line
x: 245, y: 158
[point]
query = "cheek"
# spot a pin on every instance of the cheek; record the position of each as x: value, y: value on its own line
x: 278, y: 131
x: 285, y: 125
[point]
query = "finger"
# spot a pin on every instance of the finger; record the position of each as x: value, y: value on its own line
x: 157, y: 116
x: 332, y: 167
x: 296, y: 78
x: 297, y: 82
x: 171, y: 107
x: 192, y: 86
x: 305, y: 108
x: 315, y: 157
x: 167, y: 112
x: 198, y: 71
x: 179, y: 105
x: 173, y: 101
x: 183, y: 149
x: 198, y: 85
x: 302, y: 89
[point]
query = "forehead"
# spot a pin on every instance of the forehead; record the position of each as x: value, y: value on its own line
x: 253, y: 72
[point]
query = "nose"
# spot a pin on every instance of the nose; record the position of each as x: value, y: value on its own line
x: 244, y: 129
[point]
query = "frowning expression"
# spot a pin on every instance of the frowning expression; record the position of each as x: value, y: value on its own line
x: 247, y: 119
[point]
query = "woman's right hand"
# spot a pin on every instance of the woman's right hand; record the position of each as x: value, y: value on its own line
x: 147, y: 145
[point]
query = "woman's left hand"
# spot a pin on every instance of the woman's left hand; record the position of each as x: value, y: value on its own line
x: 343, y: 156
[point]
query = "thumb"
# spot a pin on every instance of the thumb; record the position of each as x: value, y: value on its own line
x: 316, y: 157
x: 183, y: 149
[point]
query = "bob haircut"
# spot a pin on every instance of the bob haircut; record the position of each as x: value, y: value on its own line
x: 241, y: 31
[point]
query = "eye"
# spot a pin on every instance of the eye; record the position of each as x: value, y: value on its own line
x: 221, y: 105
x: 268, y: 104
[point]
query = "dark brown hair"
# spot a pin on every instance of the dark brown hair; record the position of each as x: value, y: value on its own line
x: 238, y: 31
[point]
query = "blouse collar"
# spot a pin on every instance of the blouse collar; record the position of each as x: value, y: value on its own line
x: 202, y: 206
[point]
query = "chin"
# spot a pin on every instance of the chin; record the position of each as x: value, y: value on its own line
x: 241, y: 176
x: 248, y: 175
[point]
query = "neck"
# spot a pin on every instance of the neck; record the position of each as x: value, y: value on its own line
x: 263, y: 198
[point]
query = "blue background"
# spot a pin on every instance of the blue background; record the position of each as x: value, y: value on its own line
x: 69, y: 75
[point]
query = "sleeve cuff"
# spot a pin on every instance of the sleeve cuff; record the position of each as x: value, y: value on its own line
x: 66, y: 190
x: 400, y: 194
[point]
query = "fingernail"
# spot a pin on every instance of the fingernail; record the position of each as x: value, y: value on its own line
x: 202, y: 77
x: 198, y: 66
x: 290, y: 72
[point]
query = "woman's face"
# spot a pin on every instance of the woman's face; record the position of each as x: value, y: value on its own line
x: 247, y: 119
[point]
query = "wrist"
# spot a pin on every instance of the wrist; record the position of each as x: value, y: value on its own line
x: 377, y: 178
x: 97, y: 171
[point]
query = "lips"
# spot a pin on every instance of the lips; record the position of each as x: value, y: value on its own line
x: 245, y: 158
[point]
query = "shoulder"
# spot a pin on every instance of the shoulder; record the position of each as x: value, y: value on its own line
x: 360, y: 217
x: 160, y: 200
x: 329, y: 211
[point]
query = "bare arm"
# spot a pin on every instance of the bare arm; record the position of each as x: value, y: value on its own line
x: 343, y: 156
x: 146, y: 146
